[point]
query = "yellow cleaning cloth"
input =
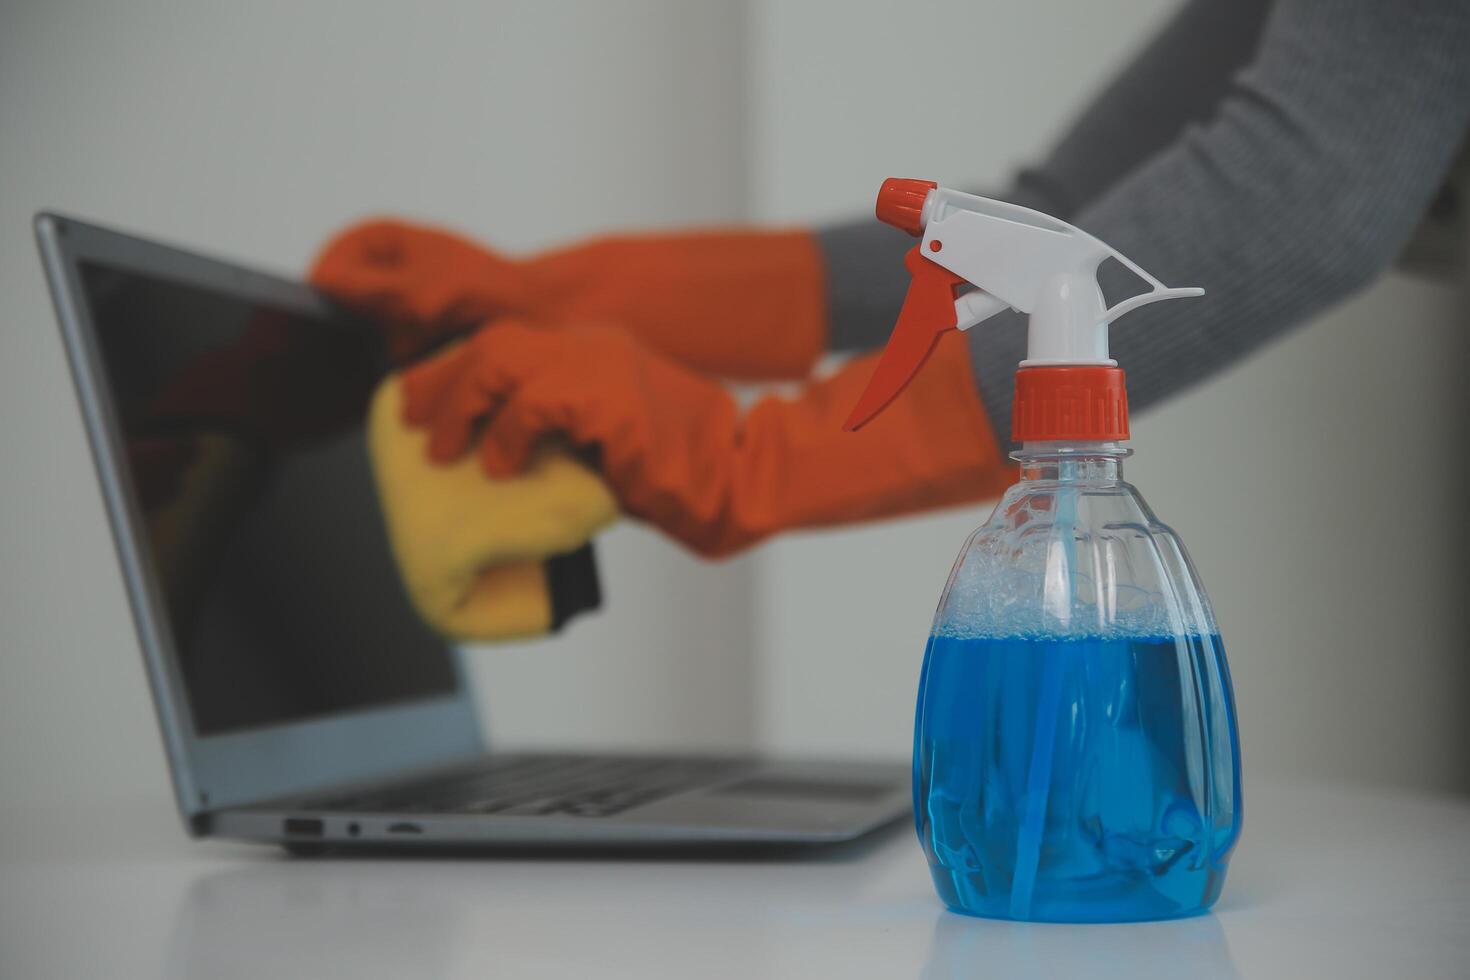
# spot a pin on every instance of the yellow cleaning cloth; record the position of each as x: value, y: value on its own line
x: 479, y: 557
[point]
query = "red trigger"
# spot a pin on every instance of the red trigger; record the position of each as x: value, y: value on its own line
x: 927, y: 314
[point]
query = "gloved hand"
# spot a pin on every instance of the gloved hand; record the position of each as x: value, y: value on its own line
x: 678, y: 452
x: 486, y: 559
x: 736, y: 304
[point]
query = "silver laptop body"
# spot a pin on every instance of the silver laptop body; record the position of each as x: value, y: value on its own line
x: 312, y: 709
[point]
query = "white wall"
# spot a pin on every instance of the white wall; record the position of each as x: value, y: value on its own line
x: 1310, y: 484
x: 252, y: 130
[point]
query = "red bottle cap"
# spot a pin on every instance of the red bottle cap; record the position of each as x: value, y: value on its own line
x: 901, y: 203
x: 1070, y: 404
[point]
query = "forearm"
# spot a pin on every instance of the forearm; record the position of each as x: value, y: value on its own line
x: 1177, y: 80
x: 1303, y: 187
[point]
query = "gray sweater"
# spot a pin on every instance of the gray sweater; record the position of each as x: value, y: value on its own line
x: 1278, y: 154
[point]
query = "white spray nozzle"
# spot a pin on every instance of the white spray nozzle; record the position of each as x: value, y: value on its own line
x: 1016, y: 258
x: 1035, y: 264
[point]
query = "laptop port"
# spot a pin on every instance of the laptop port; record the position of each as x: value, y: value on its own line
x: 303, y: 827
x: 404, y: 827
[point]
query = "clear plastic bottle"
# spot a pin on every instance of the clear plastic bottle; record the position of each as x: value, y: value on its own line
x: 1076, y: 756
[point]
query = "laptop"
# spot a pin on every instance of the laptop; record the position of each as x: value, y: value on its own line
x: 301, y: 700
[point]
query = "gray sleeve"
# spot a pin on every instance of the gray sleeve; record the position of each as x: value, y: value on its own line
x: 1305, y: 184
x: 1177, y: 79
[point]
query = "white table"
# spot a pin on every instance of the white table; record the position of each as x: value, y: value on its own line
x: 1328, y: 881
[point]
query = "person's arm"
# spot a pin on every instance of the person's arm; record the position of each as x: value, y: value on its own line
x: 1177, y: 79
x: 1301, y: 189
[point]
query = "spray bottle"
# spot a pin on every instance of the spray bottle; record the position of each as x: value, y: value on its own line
x: 1076, y: 756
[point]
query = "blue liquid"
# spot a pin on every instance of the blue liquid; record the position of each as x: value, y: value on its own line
x: 1077, y: 779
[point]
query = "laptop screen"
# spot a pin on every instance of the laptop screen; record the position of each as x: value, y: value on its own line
x: 246, y: 455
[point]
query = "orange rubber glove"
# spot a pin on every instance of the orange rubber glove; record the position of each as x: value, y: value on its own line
x: 738, y: 304
x: 678, y: 452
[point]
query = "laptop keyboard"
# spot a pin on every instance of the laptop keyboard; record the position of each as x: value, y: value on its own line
x: 541, y: 785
